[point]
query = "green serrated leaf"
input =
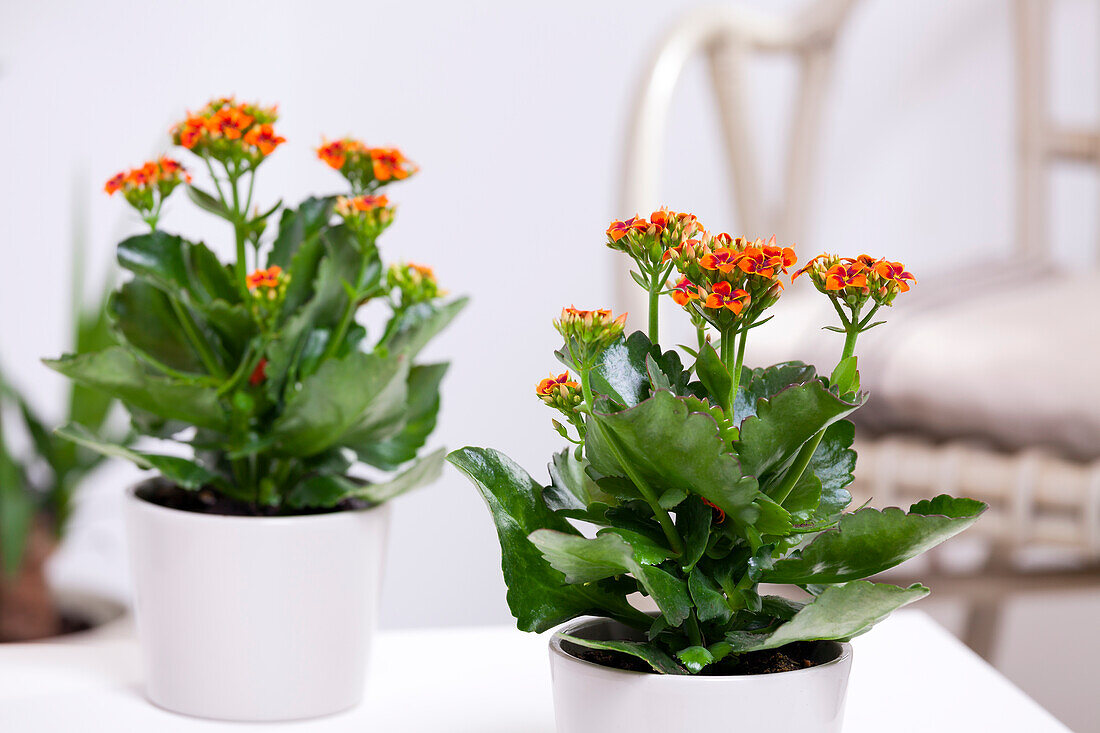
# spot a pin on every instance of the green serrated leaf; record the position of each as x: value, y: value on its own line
x: 650, y: 653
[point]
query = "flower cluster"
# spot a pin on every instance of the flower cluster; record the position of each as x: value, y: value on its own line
x: 268, y: 289
x: 587, y: 333
x: 367, y: 215
x: 729, y: 280
x: 857, y: 280
x: 648, y: 241
x: 146, y: 187
x: 366, y: 168
x: 560, y: 392
x: 230, y: 132
x: 414, y: 283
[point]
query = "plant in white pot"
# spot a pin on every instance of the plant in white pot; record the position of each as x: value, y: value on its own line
x: 257, y: 548
x: 695, y: 485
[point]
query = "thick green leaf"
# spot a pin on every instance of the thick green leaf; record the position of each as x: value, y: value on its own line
x: 668, y: 591
x: 571, y: 488
x: 181, y: 471
x: 695, y: 658
x: 300, y: 226
x: 714, y: 376
x: 758, y: 384
x: 783, y: 423
x: 341, y: 395
x: 671, y: 447
x: 869, y: 541
x: 709, y: 601
x: 92, y: 332
x: 207, y: 202
x: 646, y: 550
x: 422, y: 472
x: 833, y: 464
x: 841, y: 612
x: 621, y: 371
x: 537, y: 593
x: 584, y: 560
x: 143, y: 314
x: 187, y: 270
x: 419, y: 416
x: 693, y: 519
x: 119, y: 373
x: 414, y: 327
x: 650, y: 653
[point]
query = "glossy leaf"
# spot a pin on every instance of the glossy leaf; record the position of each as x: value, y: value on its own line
x: 411, y: 329
x: 709, y: 602
x: 671, y: 447
x: 649, y: 653
x: 695, y: 658
x: 537, y: 593
x: 419, y: 415
x: 186, y: 270
x: 422, y: 472
x: 584, y: 560
x: 783, y: 423
x: 300, y: 226
x: 840, y: 613
x: 181, y: 471
x: 118, y: 373
x: 869, y: 541
x: 758, y: 384
x: 143, y: 314
x: 341, y: 395
x: 714, y: 375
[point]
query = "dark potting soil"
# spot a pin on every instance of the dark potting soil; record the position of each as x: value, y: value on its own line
x: 206, y: 501
x: 798, y: 655
x: 69, y: 624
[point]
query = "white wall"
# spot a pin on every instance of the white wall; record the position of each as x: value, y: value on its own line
x: 516, y: 112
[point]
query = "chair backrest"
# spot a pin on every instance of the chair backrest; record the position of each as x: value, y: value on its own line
x: 1041, y: 142
x: 727, y: 36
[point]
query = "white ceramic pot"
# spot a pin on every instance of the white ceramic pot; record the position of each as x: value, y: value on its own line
x: 592, y: 698
x: 255, y: 618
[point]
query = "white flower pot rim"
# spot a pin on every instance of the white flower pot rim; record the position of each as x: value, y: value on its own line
x: 571, y: 629
x: 184, y: 515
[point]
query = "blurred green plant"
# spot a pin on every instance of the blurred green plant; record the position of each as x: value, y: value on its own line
x: 39, y: 485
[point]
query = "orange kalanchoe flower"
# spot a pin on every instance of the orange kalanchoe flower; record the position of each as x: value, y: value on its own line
x: 335, y: 153
x: 368, y: 202
x: 722, y: 259
x: 723, y: 295
x: 391, y: 163
x: 229, y: 122
x: 264, y: 138
x: 847, y: 273
x: 191, y: 131
x: 546, y: 387
x: 268, y: 278
x: 893, y: 272
x: 114, y: 183
x: 620, y: 229
x: 685, y: 291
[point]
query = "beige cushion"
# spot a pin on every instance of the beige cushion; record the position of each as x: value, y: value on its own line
x: 1004, y: 357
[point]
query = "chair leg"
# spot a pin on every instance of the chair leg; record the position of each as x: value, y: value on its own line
x: 984, y: 620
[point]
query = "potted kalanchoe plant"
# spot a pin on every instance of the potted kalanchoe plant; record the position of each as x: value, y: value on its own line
x: 257, y: 548
x: 694, y: 485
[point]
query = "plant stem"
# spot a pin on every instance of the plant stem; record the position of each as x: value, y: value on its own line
x: 347, y: 317
x: 654, y: 291
x: 802, y: 460
x: 659, y: 512
x: 196, y: 339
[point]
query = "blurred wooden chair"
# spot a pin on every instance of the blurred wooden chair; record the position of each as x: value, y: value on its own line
x: 978, y: 394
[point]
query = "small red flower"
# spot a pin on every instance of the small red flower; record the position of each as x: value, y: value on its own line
x: 391, y: 163
x: 268, y: 278
x: 259, y: 374
x: 723, y: 295
x: 333, y: 153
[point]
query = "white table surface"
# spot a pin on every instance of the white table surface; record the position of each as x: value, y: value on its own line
x: 909, y: 674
